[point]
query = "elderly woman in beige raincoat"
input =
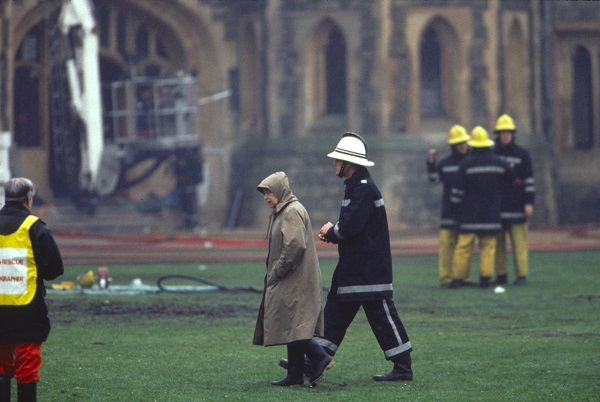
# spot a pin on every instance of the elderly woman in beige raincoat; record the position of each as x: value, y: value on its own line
x: 291, y: 311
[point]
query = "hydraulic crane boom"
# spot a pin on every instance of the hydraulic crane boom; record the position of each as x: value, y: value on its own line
x: 83, y: 72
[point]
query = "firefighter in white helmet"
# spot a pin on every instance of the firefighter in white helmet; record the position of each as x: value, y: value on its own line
x: 363, y: 275
x: 477, y: 194
x: 445, y: 171
x: 517, y: 202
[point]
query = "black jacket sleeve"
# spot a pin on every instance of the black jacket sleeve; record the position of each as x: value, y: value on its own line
x: 46, y: 252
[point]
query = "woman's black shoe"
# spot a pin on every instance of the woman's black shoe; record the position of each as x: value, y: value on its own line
x: 288, y: 382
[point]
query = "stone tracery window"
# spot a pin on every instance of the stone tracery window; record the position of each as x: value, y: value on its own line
x: 142, y: 42
x: 132, y: 44
x: 136, y: 41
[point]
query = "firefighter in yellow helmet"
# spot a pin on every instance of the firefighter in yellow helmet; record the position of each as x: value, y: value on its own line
x: 445, y: 171
x: 517, y: 202
x: 477, y: 195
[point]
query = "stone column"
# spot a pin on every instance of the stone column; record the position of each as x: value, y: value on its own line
x: 479, y: 70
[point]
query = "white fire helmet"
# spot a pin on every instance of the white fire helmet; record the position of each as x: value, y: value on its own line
x: 351, y: 148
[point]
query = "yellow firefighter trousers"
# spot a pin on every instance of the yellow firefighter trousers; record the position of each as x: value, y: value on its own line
x: 464, y: 251
x: 448, y: 240
x: 518, y: 239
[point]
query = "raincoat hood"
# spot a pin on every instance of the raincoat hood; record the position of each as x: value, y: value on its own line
x: 278, y: 184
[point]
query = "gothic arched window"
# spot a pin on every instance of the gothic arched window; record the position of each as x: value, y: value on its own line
x: 582, y: 99
x: 431, y: 77
x: 335, y: 73
x: 29, y: 67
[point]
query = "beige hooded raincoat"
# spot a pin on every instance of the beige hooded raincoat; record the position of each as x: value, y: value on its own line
x: 292, y: 303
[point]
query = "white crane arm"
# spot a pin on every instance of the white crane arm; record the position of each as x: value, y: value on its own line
x: 83, y: 73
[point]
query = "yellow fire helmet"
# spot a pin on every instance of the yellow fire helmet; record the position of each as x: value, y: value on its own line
x: 505, y: 123
x: 86, y: 279
x: 480, y: 138
x: 457, y: 135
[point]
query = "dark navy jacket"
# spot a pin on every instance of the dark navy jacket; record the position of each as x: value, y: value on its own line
x: 482, y: 177
x: 364, y: 269
x: 522, y: 190
x: 30, y: 323
x: 446, y: 172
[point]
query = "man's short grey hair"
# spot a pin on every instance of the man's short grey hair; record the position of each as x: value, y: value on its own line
x: 18, y: 189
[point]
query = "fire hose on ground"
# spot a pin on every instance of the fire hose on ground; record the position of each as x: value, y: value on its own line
x: 216, y: 286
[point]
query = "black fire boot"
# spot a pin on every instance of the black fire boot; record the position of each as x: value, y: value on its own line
x: 501, y: 279
x: 27, y: 392
x: 401, y: 371
x: 4, y: 388
x: 485, y: 282
x: 521, y: 280
x: 322, y: 360
x: 295, y: 366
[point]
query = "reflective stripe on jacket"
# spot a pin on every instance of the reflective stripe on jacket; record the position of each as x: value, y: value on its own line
x: 446, y: 172
x: 522, y: 190
x: 478, y: 192
x: 364, y: 269
x: 30, y: 322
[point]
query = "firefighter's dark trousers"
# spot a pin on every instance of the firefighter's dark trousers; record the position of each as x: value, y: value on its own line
x: 383, y: 318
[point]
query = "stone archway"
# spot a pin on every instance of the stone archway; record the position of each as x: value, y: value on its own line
x: 160, y: 37
x: 440, y: 61
x: 326, y: 73
x: 516, y: 72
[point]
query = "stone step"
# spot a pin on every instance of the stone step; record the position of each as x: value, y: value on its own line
x: 110, y: 218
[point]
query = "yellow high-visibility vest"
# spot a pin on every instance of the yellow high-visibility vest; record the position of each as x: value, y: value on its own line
x: 18, y: 272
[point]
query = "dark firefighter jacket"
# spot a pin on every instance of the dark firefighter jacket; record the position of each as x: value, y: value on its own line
x: 446, y: 172
x: 481, y: 179
x: 522, y: 190
x: 30, y: 323
x: 364, y: 269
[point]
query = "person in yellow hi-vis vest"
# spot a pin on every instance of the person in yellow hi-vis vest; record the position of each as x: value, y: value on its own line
x: 28, y: 256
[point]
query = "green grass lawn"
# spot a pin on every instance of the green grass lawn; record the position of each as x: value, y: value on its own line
x: 539, y: 342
